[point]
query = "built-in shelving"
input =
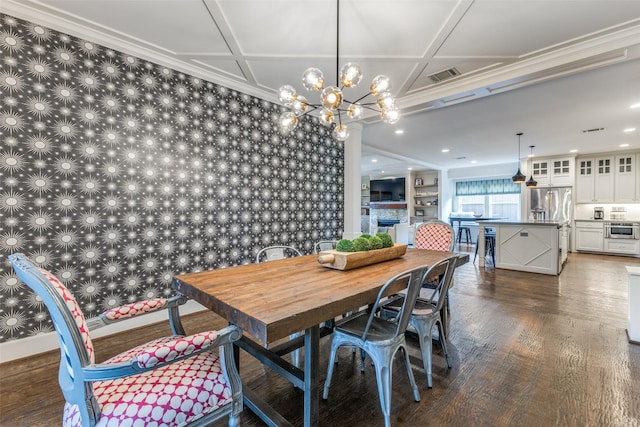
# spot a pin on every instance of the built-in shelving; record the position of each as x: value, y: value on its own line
x: 426, y: 195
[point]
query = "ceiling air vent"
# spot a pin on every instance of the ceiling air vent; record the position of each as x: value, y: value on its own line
x: 592, y: 130
x: 444, y: 75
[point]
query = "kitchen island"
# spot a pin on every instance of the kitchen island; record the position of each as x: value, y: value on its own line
x: 533, y: 246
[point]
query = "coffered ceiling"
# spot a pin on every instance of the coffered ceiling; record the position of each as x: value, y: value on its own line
x: 551, y: 69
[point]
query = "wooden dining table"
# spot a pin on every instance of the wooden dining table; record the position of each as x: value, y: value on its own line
x: 273, y: 300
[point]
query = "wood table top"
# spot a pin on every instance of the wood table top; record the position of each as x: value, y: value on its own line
x: 274, y: 299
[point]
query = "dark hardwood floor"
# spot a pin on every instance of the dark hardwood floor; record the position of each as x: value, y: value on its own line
x: 527, y: 350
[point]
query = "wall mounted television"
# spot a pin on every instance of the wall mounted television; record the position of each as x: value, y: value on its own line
x: 387, y: 190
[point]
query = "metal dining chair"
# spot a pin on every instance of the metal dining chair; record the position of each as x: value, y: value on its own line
x: 135, y: 387
x: 379, y: 338
x: 426, y: 313
x: 324, y: 245
x: 438, y: 236
x: 273, y: 253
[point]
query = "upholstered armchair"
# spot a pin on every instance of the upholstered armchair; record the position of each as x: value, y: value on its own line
x: 171, y: 381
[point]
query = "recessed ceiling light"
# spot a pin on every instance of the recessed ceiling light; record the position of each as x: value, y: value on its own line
x: 636, y: 105
x: 410, y: 169
x: 474, y: 161
x: 624, y: 145
x: 445, y: 150
x: 374, y: 160
x: 630, y: 130
x: 399, y: 131
x: 575, y: 150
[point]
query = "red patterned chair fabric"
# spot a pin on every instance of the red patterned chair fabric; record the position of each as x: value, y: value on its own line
x: 74, y: 308
x: 174, y: 395
x: 170, y: 381
x: 435, y: 235
x: 136, y: 308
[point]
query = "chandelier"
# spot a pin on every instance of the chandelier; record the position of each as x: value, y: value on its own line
x: 333, y: 103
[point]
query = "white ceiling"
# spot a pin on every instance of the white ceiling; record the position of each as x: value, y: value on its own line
x: 550, y: 69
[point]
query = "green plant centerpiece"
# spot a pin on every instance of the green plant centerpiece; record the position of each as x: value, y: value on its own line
x: 361, y: 251
x: 365, y: 242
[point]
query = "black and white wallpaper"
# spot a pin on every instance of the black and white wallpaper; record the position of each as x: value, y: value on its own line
x: 117, y: 173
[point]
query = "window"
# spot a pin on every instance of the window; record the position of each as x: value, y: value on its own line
x: 492, y: 198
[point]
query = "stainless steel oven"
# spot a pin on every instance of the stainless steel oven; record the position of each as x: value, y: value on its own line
x: 621, y: 230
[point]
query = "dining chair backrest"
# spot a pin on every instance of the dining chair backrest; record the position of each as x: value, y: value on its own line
x: 71, y: 328
x: 324, y: 245
x: 435, y: 235
x: 441, y: 274
x: 412, y: 279
x: 272, y: 253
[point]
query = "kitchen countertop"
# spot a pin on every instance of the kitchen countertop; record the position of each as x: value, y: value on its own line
x: 608, y: 220
x: 546, y: 223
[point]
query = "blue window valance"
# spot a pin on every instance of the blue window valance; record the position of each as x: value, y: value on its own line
x: 487, y: 186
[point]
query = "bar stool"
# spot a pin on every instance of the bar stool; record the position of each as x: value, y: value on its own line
x: 467, y: 234
x: 489, y: 245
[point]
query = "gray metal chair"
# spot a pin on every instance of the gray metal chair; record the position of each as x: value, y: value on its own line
x: 324, y: 245
x: 436, y: 235
x: 380, y: 338
x: 426, y: 312
x: 273, y: 253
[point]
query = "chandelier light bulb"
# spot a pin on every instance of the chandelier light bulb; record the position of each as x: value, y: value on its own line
x: 350, y: 75
x: 354, y: 111
x: 390, y: 115
x: 331, y: 97
x: 313, y: 79
x: 326, y: 116
x: 380, y: 84
x: 300, y: 105
x: 340, y: 132
x: 386, y: 101
x: 288, y: 121
x: 287, y: 94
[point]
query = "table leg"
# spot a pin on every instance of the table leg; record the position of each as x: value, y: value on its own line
x: 311, y: 367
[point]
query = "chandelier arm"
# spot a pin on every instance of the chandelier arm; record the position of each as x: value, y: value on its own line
x: 359, y: 99
x: 307, y: 112
x: 369, y: 108
x: 338, y: 43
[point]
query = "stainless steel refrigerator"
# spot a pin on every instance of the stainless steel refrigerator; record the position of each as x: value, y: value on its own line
x: 554, y: 202
x: 556, y: 205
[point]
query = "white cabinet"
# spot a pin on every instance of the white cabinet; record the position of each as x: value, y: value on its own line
x: 585, y: 180
x: 595, y: 180
x: 622, y: 246
x: 589, y: 236
x: 528, y: 247
x: 625, y: 178
x: 553, y: 172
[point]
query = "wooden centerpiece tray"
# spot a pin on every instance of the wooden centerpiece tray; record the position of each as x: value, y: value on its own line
x: 349, y: 260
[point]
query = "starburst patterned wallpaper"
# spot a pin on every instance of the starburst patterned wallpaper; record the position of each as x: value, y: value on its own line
x: 117, y: 173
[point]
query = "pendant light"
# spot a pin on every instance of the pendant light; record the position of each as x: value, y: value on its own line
x: 531, y: 182
x: 518, y: 177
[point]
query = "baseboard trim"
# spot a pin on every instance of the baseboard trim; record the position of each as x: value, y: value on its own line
x: 29, y: 346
